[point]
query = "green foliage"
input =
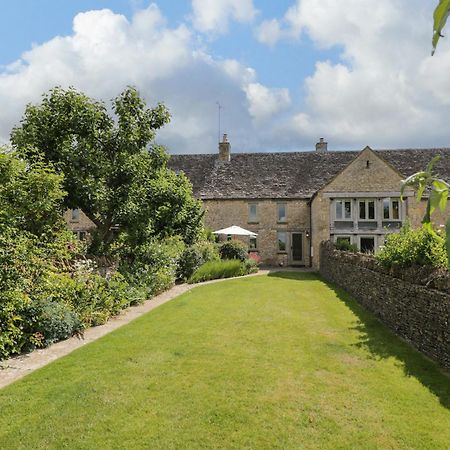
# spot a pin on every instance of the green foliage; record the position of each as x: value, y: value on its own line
x: 441, y: 14
x: 423, y: 247
x: 46, y: 322
x: 44, y: 299
x: 438, y: 197
x: 44, y: 295
x: 46, y: 292
x: 233, y: 250
x: 153, y: 265
x: 249, y: 266
x: 160, y: 205
x: 346, y: 246
x: 112, y: 171
x: 93, y: 297
x: 31, y: 196
x: 228, y: 268
x: 195, y: 256
x: 32, y: 235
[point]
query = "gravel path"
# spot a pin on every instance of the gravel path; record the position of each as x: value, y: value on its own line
x: 15, y: 368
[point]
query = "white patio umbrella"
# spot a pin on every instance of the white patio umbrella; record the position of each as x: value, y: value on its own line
x: 235, y: 231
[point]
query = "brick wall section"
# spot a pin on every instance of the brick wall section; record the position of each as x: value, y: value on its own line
x: 420, y: 314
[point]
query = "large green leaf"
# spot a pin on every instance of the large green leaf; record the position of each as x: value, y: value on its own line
x: 441, y: 14
x: 441, y: 187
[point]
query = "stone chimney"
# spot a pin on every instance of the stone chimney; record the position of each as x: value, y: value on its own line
x: 224, y: 149
x: 322, y: 146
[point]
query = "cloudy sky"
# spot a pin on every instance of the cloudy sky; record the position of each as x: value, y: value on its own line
x: 286, y: 72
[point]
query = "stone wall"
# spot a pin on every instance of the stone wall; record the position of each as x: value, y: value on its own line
x: 419, y: 313
x: 224, y: 213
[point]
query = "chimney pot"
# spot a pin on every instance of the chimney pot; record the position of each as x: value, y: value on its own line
x: 322, y: 146
x: 224, y: 149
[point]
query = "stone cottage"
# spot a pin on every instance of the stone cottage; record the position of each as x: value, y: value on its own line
x: 293, y: 201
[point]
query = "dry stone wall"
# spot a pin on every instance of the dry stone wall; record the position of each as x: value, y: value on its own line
x: 415, y: 304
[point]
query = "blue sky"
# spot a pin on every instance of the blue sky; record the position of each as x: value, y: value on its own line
x: 28, y: 22
x: 287, y: 72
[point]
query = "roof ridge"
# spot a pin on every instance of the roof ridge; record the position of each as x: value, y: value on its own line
x: 314, y: 152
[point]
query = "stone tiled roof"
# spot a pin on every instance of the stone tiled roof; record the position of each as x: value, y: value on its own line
x: 287, y: 175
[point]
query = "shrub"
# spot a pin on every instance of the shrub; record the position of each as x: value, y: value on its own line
x: 346, y: 246
x: 229, y: 268
x: 152, y: 268
x: 20, y: 272
x: 42, y: 302
x: 95, y: 299
x: 249, y: 266
x: 48, y: 322
x: 217, y: 269
x: 195, y: 256
x: 11, y: 332
x: 233, y: 250
x: 423, y: 247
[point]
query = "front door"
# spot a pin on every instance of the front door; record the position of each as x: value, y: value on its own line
x: 297, y: 249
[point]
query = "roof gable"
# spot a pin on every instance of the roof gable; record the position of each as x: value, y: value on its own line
x: 367, y: 172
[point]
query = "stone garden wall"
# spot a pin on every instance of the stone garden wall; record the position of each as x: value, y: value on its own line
x: 414, y: 303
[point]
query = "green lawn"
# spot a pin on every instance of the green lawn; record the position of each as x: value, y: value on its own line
x: 279, y: 361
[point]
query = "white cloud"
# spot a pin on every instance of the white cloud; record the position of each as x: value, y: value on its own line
x: 213, y: 16
x: 386, y: 90
x: 107, y: 52
x: 269, y: 32
x: 264, y: 103
x: 289, y: 27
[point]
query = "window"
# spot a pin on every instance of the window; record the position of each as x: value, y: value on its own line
x: 253, y: 212
x: 282, y: 216
x: 367, y: 244
x: 395, y: 205
x: 366, y: 209
x: 75, y: 215
x: 253, y: 244
x: 282, y: 241
x: 391, y: 209
x: 343, y: 210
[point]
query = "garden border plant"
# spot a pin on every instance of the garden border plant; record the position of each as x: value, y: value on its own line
x: 121, y: 178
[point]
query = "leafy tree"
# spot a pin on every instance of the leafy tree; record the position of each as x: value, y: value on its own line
x: 112, y: 169
x: 441, y: 14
